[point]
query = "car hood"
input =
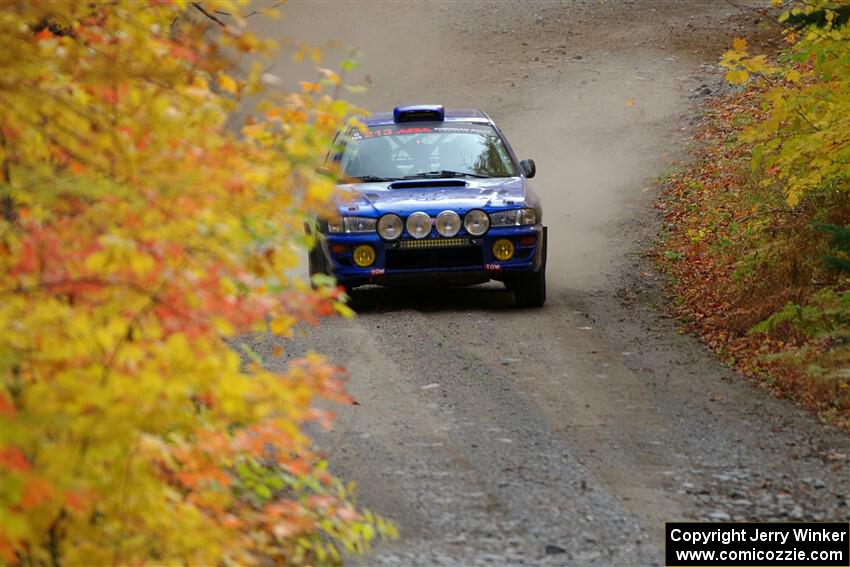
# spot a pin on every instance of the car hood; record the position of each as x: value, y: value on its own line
x: 431, y: 196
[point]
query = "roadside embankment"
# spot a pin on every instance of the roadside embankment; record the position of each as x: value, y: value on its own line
x: 757, y: 226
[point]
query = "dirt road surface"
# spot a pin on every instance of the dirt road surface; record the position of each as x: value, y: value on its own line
x: 565, y: 435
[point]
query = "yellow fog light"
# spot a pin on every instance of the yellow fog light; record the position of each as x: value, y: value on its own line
x: 503, y: 249
x: 364, y: 255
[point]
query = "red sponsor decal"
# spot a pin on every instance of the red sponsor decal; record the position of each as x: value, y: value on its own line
x: 383, y: 132
x: 379, y: 131
x: 414, y: 131
x: 377, y: 271
x: 493, y: 267
x: 396, y: 132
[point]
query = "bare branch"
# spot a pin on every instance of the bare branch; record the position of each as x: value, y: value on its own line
x: 201, y: 9
x: 255, y: 12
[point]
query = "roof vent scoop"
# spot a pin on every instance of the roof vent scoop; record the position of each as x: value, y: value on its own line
x: 419, y: 113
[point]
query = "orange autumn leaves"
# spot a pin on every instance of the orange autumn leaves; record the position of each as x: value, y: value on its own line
x: 138, y: 235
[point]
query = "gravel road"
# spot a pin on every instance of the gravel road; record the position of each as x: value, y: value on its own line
x: 566, y: 435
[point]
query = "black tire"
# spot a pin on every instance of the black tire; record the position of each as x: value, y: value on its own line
x: 530, y: 288
x: 316, y: 262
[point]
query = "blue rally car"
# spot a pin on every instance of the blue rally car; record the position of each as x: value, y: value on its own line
x: 433, y: 194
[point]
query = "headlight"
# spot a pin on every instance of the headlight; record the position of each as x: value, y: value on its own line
x: 419, y: 225
x: 351, y: 224
x: 515, y: 217
x: 390, y: 226
x: 476, y: 222
x: 448, y: 223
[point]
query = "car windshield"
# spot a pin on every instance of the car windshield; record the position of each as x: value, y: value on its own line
x: 416, y: 150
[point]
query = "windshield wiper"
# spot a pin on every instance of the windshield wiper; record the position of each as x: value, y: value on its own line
x: 445, y: 173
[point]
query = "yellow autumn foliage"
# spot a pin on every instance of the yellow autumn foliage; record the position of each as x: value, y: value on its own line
x: 138, y: 236
x: 804, y: 143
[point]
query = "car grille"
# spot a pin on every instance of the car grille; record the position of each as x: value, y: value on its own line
x: 423, y: 259
x: 434, y: 243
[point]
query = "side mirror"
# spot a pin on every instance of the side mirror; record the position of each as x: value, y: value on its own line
x: 528, y: 167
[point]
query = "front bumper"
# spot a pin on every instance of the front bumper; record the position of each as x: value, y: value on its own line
x: 462, y: 259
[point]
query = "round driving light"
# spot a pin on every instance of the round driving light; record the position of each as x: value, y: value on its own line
x: 419, y: 225
x: 476, y: 222
x: 448, y: 223
x: 390, y: 227
x: 503, y: 249
x: 364, y: 255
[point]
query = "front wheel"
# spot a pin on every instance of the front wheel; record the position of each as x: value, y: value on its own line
x: 530, y: 288
x: 317, y: 264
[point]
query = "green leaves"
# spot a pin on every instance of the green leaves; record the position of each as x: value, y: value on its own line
x: 839, y: 256
x: 827, y: 314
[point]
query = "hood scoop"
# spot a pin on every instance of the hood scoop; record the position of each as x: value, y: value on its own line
x: 424, y: 183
